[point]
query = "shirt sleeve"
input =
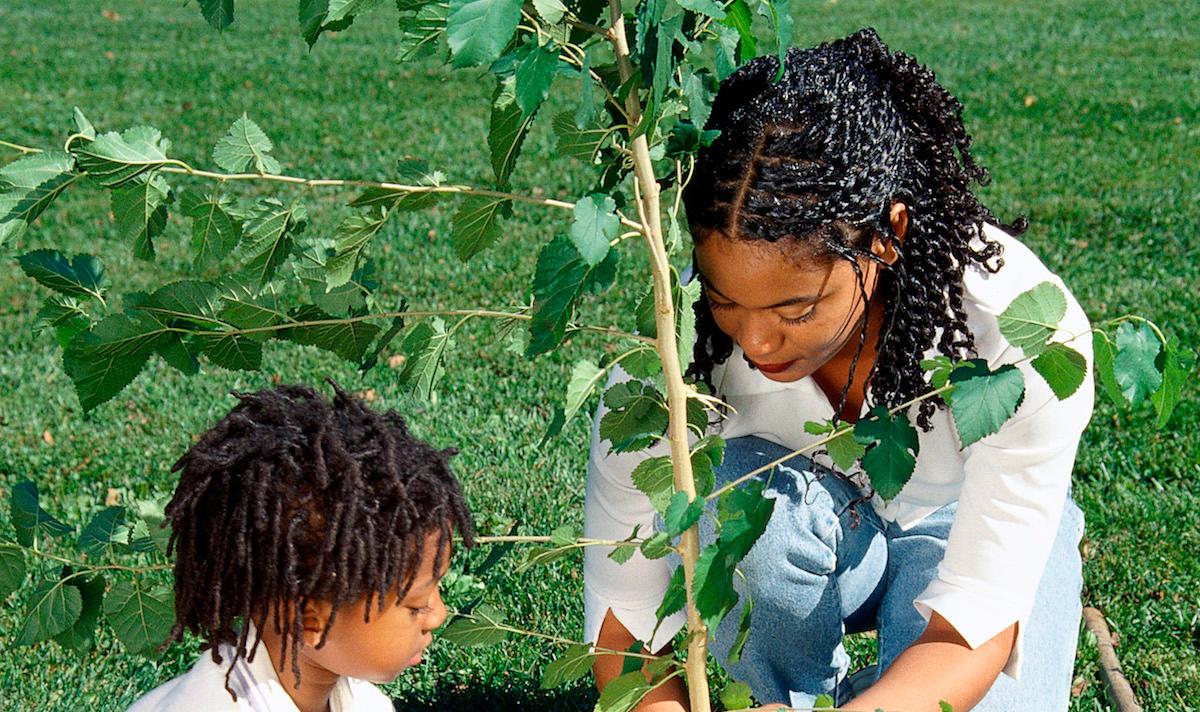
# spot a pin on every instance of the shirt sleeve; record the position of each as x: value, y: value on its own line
x: 1009, y: 510
x: 613, y: 507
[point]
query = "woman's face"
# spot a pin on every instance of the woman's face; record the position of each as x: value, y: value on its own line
x: 791, y: 317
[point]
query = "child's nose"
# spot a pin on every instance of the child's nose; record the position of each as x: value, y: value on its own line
x: 437, y: 614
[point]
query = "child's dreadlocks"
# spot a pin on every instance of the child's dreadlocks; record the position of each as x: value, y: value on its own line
x: 291, y: 498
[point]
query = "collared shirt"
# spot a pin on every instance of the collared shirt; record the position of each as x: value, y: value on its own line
x: 1010, y: 486
x: 256, y: 685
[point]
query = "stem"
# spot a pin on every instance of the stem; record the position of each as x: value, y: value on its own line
x: 559, y: 640
x: 88, y: 568
x: 17, y: 147
x: 649, y: 210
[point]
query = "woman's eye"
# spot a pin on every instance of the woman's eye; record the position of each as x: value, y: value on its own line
x: 719, y: 306
x: 800, y: 319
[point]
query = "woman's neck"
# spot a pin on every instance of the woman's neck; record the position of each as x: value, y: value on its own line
x: 835, y: 374
x: 316, y: 683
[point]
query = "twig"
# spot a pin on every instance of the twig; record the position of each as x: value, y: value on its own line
x: 1119, y: 691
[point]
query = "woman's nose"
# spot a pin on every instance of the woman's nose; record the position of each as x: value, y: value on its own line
x: 758, y: 337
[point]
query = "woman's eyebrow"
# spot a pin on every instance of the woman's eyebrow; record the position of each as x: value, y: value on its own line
x: 792, y: 301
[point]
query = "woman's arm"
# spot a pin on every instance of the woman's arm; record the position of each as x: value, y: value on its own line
x: 939, y: 666
x: 671, y: 697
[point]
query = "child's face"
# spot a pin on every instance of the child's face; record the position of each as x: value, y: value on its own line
x: 394, y: 638
x: 790, y: 318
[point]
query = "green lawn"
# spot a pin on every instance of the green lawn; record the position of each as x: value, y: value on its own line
x: 1085, y: 112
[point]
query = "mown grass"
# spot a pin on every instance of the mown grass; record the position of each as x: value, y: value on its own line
x: 1085, y: 112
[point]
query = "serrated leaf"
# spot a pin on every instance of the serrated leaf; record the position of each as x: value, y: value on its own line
x: 53, y: 608
x: 1178, y: 364
x: 596, y: 225
x: 623, y: 553
x: 477, y: 224
x: 1063, y: 367
x: 481, y: 627
x: 65, y: 315
x: 140, y: 207
x: 1032, y: 318
x: 507, y: 129
x: 214, y: 231
x: 267, y: 238
x: 28, y: 186
x: 983, y: 400
x: 681, y: 513
x: 1134, y: 366
x: 317, y: 16
x: 81, y: 636
x: 637, y: 416
x: 560, y: 279
x: 12, y: 570
x: 218, y: 13
x: 713, y: 584
x: 675, y: 597
x: 824, y: 702
x: 654, y: 476
x: 782, y: 23
x: 581, y: 143
x: 141, y: 618
x: 552, y: 11
x: 478, y: 30
x: 344, y: 337
x: 574, y: 663
x: 97, y: 536
x: 1104, y: 354
x: 584, y: 376
x: 101, y: 362
x: 28, y: 516
x: 421, y: 30
x: 709, y: 8
x: 534, y: 75
x: 736, y: 696
x: 685, y: 320
x: 81, y: 276
x: 707, y: 455
x: 743, y: 634
x: 243, y: 148
x: 656, y: 546
x: 352, y: 238
x: 623, y: 693
x: 844, y: 450
x: 939, y: 369
x: 892, y: 448
x: 115, y: 159
x: 424, y: 347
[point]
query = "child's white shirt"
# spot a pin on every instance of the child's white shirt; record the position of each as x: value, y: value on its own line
x: 257, y: 686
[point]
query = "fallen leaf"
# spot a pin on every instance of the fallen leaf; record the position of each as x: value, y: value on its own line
x: 111, y: 15
x: 396, y: 361
x: 109, y: 55
x: 48, y: 437
x: 113, y: 497
x: 367, y: 395
x: 1080, y: 684
x: 1030, y: 100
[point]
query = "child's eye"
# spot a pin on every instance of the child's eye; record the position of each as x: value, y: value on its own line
x: 419, y: 611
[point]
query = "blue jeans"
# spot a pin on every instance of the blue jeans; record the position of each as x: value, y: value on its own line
x: 823, y: 569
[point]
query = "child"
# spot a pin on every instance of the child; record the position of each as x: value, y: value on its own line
x: 838, y: 243
x: 309, y: 541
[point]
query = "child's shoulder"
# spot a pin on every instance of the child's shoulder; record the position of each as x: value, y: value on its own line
x: 200, y: 688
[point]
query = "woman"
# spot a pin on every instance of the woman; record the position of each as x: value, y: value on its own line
x: 838, y: 244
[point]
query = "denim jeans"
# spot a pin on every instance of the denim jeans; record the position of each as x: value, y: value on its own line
x: 823, y: 568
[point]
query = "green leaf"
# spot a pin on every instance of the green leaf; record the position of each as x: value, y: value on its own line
x: 214, y: 231
x: 346, y: 338
x: 1032, y: 318
x: 581, y: 143
x: 939, y: 369
x: 97, y: 536
x: 481, y: 627
x: 707, y: 455
x: 81, y: 636
x: 53, y: 608
x: 28, y: 516
x: 596, y: 225
x: 654, y: 476
x: 739, y: 17
x: 584, y: 377
x: 140, y: 206
x: 507, y: 130
x: 1063, y: 367
x: 675, y: 598
x: 713, y: 582
x: 737, y: 696
x: 409, y: 172
x: 478, y: 30
x: 623, y: 553
x: 12, y: 570
x: 1178, y: 364
x: 552, y: 11
x: 351, y: 239
x: 824, y: 702
x: 267, y: 237
x: 1135, y: 366
x: 424, y: 347
x: 244, y: 148
x: 101, y: 362
x: 141, y: 618
x: 743, y: 634
x: 699, y: 98
x: 115, y: 159
x: 892, y: 450
x: 560, y: 279
x: 681, y: 513
x: 845, y: 450
x: 421, y: 30
x: 81, y: 276
x: 1105, y: 354
x: 28, y: 186
x: 83, y: 126
x: 534, y: 75
x: 637, y: 416
x: 983, y: 400
x: 623, y: 693
x: 656, y: 546
x: 781, y: 22
x: 685, y: 319
x: 200, y: 305
x: 574, y: 663
x: 317, y: 16
x: 477, y: 224
x: 944, y: 706
x: 218, y: 13
x: 65, y: 315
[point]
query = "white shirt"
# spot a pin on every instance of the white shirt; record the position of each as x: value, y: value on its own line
x: 1010, y: 486
x: 257, y: 686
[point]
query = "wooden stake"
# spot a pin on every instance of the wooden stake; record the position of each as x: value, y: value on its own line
x: 1120, y: 694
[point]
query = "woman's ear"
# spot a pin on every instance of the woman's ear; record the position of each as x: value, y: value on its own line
x: 898, y: 216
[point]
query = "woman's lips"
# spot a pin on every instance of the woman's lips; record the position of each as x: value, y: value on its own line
x: 773, y: 367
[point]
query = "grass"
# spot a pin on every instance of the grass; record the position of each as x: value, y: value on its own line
x: 1085, y: 112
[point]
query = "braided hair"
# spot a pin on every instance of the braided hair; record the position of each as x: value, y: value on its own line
x: 815, y: 161
x: 289, y: 499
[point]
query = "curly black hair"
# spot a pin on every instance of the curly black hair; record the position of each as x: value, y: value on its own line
x: 817, y: 159
x: 292, y: 498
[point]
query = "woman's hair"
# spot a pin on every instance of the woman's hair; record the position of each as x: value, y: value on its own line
x: 815, y: 160
x: 290, y: 498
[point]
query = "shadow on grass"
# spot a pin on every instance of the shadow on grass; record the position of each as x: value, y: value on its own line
x: 453, y: 696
